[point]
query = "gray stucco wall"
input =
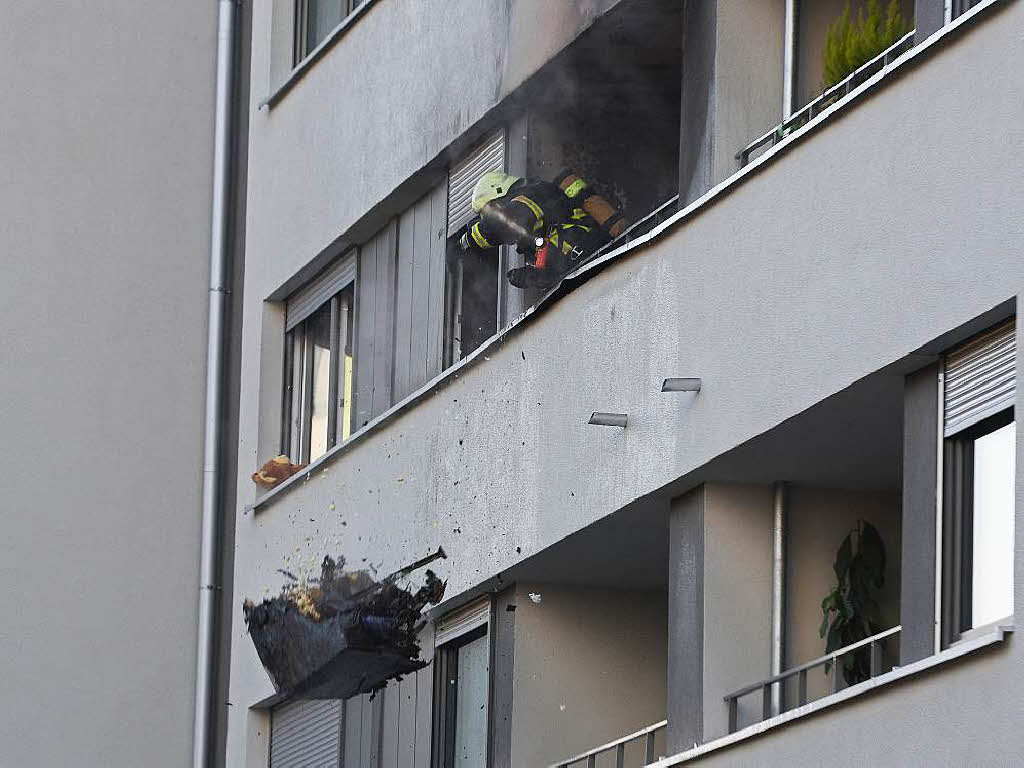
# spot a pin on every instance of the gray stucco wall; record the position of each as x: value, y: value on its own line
x: 856, y: 233
x: 737, y: 599
x: 589, y: 668
x: 106, y: 154
x: 732, y: 86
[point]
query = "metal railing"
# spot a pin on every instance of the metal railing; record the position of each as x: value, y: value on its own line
x: 765, y: 686
x: 828, y: 97
x: 646, y: 736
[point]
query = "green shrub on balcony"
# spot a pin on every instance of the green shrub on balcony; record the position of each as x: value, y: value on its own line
x: 849, y: 43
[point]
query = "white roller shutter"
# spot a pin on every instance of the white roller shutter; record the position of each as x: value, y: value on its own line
x: 312, y: 296
x: 489, y: 156
x: 306, y: 734
x: 981, y: 378
x: 461, y: 621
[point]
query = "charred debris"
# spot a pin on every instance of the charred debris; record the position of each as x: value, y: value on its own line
x: 342, y: 634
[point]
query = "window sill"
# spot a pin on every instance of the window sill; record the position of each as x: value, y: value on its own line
x: 300, y: 69
x: 962, y: 648
x: 584, y: 273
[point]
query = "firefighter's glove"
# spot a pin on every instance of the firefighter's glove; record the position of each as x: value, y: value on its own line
x: 531, y: 277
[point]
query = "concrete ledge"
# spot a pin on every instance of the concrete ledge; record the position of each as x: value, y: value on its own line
x: 898, y: 673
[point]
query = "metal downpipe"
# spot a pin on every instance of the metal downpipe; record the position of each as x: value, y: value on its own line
x: 789, y: 58
x: 778, y: 593
x: 209, y: 578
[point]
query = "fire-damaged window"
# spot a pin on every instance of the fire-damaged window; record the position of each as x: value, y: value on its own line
x: 318, y: 369
x: 472, y: 279
x: 979, y: 430
x: 608, y: 108
x: 314, y: 20
x: 462, y: 688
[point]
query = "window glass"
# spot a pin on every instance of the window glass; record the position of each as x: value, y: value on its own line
x: 296, y: 339
x: 319, y: 335
x: 471, y: 704
x: 321, y: 17
x: 993, y: 507
x: 345, y: 423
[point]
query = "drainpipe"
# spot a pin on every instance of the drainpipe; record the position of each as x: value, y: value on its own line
x: 209, y: 576
x: 778, y: 592
x: 789, y: 55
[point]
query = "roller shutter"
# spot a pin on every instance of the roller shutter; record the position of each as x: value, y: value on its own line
x: 306, y: 734
x: 489, y: 156
x: 461, y: 621
x: 981, y: 378
x: 312, y: 296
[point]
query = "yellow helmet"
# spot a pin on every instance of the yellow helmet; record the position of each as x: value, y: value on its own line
x: 491, y: 186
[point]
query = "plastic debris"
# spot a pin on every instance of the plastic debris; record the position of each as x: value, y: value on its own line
x: 342, y: 634
x: 535, y: 597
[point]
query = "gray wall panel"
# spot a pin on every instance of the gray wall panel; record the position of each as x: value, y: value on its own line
x: 353, y: 732
x: 369, y: 730
x: 917, y: 557
x: 686, y: 621
x: 589, y: 667
x: 365, y: 326
x: 105, y: 194
x: 419, y: 310
x: 435, y: 284
x: 407, y: 700
x: 384, y: 318
x: 389, y: 735
x: 404, y: 284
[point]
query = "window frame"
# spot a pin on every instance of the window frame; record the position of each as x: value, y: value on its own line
x: 301, y: 47
x: 342, y: 337
x: 446, y: 659
x: 958, y: 525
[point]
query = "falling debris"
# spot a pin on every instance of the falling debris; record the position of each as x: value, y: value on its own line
x: 535, y: 597
x: 342, y: 634
x: 276, y: 471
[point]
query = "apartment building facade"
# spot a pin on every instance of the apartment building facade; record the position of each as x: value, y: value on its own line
x: 642, y: 479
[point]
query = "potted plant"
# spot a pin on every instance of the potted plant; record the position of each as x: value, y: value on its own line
x: 849, y: 43
x: 850, y: 612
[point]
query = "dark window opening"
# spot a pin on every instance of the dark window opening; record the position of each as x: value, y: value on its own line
x: 608, y: 107
x: 472, y: 301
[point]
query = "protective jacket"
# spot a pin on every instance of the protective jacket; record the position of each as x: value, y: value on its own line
x: 532, y: 211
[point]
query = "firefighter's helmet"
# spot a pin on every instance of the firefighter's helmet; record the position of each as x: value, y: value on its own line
x: 491, y: 186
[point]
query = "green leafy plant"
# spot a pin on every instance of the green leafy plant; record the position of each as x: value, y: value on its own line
x: 850, y: 611
x: 850, y: 43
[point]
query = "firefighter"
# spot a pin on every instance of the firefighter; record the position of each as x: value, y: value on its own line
x: 538, y: 217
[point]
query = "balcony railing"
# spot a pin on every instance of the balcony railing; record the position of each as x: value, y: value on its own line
x: 765, y: 686
x: 827, y: 98
x: 645, y: 736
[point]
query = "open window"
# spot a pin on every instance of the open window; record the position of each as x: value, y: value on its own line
x: 472, y: 280
x: 318, y: 370
x: 462, y: 688
x: 978, y: 483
